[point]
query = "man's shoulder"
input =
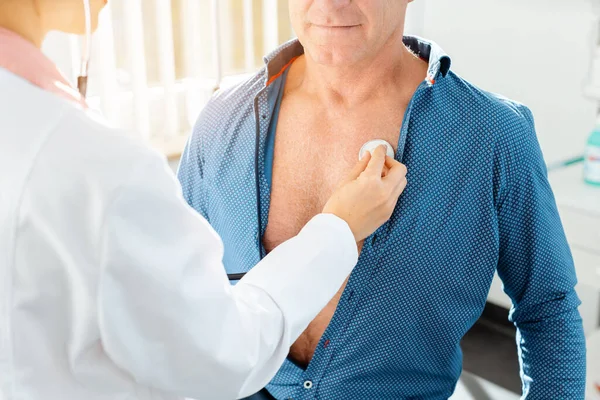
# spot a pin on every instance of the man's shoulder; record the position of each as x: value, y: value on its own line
x: 507, y: 125
x: 229, y: 105
x: 487, y: 109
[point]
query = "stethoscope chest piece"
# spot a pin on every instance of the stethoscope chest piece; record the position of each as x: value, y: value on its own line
x: 372, y: 145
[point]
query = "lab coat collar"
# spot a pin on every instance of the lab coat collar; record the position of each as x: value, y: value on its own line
x: 439, y: 61
x: 25, y: 60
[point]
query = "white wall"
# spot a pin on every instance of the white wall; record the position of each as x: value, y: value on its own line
x: 534, y: 51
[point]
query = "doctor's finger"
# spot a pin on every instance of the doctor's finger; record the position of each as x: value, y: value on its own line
x: 377, y: 162
x: 391, y: 162
x: 397, y: 171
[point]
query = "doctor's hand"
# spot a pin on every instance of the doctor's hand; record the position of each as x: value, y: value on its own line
x: 368, y: 196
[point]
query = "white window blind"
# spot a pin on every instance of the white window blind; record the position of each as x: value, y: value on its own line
x: 155, y: 63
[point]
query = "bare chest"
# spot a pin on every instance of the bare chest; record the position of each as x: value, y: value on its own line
x: 312, y: 154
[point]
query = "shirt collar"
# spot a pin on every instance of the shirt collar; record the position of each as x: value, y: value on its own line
x: 22, y: 58
x: 439, y: 61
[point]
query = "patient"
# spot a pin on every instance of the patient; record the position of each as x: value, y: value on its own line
x: 266, y: 155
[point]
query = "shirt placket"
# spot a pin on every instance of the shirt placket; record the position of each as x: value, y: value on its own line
x: 383, y: 233
x: 335, y: 333
x: 262, y: 114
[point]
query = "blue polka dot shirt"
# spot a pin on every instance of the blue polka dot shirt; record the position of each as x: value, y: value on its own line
x: 478, y: 201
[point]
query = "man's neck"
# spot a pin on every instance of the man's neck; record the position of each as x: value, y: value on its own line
x: 355, y: 84
x: 21, y: 18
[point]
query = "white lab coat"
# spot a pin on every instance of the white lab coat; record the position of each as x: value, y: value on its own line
x: 111, y: 287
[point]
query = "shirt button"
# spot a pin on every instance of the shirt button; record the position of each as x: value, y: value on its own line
x: 308, y: 385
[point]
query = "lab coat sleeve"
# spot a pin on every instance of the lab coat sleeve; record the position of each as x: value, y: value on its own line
x: 537, y: 270
x: 167, y: 312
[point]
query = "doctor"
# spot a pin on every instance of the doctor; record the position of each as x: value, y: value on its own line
x: 110, y: 286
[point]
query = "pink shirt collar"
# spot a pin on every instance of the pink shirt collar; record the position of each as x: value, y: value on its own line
x: 22, y: 58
